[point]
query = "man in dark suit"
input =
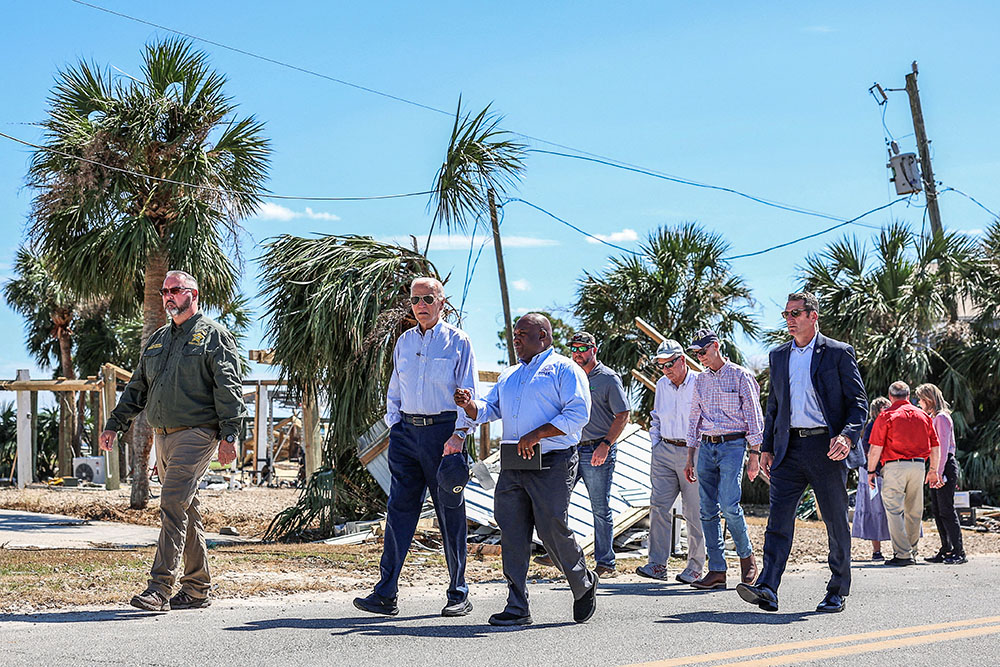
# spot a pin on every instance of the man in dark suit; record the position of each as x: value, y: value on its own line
x: 815, y: 413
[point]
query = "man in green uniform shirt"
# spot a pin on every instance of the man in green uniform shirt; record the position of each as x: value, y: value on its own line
x: 188, y: 381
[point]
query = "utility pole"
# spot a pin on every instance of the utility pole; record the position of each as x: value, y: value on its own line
x: 503, y: 277
x: 923, y: 149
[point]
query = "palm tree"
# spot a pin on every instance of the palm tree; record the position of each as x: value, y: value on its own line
x: 140, y: 176
x: 678, y: 283
x: 49, y: 310
x: 334, y: 308
x: 480, y: 164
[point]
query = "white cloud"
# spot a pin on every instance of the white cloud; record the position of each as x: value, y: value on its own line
x: 972, y: 232
x: 272, y: 211
x: 624, y: 236
x: 819, y: 28
x: 521, y: 285
x: 464, y: 242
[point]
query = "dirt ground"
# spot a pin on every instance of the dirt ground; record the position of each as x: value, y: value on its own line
x: 32, y: 579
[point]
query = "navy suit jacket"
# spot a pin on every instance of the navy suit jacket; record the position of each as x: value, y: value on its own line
x: 841, y: 393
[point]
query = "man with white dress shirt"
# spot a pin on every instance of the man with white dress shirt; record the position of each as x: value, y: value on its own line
x: 544, y: 401
x: 668, y: 436
x: 430, y: 361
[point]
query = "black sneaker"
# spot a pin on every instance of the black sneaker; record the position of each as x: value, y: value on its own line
x: 184, y: 601
x: 150, y: 600
x: 457, y: 608
x: 900, y: 562
x: 937, y: 558
x: 877, y: 555
x: 584, y: 608
x: 507, y: 618
x: 376, y: 604
x: 956, y: 559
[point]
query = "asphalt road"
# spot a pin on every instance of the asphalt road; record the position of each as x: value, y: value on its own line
x: 921, y: 615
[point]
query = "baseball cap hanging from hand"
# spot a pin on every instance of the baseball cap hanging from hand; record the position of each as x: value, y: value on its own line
x: 452, y: 476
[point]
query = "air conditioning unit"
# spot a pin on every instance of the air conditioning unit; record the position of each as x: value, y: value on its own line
x: 90, y: 469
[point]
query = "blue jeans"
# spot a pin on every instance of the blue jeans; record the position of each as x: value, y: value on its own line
x: 598, y: 482
x: 720, y: 472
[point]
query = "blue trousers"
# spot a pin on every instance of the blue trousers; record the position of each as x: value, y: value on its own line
x: 598, y: 482
x: 720, y: 474
x: 414, y: 456
x: 806, y: 462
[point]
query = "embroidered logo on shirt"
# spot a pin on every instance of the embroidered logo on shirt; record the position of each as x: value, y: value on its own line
x: 197, y: 338
x: 547, y: 370
x: 154, y: 346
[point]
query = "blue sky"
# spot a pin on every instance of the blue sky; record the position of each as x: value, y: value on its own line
x: 767, y: 98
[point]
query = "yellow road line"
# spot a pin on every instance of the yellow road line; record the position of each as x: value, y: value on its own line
x: 852, y: 649
x: 811, y: 643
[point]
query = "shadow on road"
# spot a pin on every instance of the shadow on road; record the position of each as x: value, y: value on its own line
x: 388, y: 627
x: 81, y: 616
x: 652, y: 588
x: 738, y: 617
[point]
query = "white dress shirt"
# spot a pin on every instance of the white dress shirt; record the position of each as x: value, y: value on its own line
x: 671, y: 409
x: 427, y: 367
x: 550, y: 389
x: 806, y: 410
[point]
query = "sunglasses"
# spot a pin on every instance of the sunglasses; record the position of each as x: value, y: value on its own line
x: 174, y: 291
x: 699, y: 353
x: 785, y: 314
x: 427, y: 298
x: 667, y: 364
x: 580, y: 349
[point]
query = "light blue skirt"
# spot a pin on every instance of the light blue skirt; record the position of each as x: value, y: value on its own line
x: 869, y: 514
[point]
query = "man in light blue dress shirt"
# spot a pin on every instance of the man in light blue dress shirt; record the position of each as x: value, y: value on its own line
x: 430, y: 361
x: 544, y: 401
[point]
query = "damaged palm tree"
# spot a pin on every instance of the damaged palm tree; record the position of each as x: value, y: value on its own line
x: 335, y: 306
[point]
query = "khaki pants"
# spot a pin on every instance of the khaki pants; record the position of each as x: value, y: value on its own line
x: 182, y: 459
x: 903, y: 498
x: 667, y: 477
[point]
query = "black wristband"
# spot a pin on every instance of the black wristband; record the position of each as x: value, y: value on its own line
x: 871, y: 472
x: 604, y: 441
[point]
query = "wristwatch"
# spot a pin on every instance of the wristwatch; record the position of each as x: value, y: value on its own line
x: 604, y: 441
x: 230, y: 438
x: 461, y: 435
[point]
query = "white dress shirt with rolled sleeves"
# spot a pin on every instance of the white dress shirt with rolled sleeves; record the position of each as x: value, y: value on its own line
x: 671, y: 409
x: 550, y: 389
x: 426, y: 369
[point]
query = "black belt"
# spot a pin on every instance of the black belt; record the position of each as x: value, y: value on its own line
x: 915, y: 460
x: 716, y: 439
x: 429, y: 420
x: 809, y: 432
x: 591, y: 442
x: 676, y: 443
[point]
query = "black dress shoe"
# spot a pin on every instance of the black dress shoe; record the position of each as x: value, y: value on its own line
x: 507, y: 618
x: 376, y: 604
x: 762, y: 596
x: 832, y: 603
x: 457, y: 608
x: 956, y: 559
x: 584, y: 608
x: 936, y: 558
x: 899, y: 562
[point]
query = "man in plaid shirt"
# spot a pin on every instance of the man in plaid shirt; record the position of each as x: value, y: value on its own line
x: 726, y: 421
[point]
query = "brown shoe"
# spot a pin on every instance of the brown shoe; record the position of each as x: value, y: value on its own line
x: 711, y: 581
x: 605, y: 572
x: 545, y: 560
x: 748, y: 569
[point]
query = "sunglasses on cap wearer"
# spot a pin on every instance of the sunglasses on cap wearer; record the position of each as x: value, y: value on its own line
x: 795, y: 312
x: 667, y: 364
x: 579, y: 349
x: 426, y: 298
x: 700, y: 352
x: 174, y: 291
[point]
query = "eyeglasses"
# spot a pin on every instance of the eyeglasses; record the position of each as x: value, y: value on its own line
x: 700, y: 353
x: 580, y: 349
x: 426, y: 298
x: 667, y: 364
x: 785, y: 314
x: 174, y: 291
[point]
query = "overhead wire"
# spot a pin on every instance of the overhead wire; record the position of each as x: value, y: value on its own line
x: 970, y: 198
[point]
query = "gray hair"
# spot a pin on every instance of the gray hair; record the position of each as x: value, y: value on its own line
x: 807, y: 298
x: 899, y: 389
x: 185, y: 277
x: 430, y: 281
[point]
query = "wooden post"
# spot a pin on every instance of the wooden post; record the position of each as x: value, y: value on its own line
x: 923, y: 147
x: 24, y: 458
x: 508, y: 327
x: 311, y: 440
x: 108, y: 400
x: 484, y: 440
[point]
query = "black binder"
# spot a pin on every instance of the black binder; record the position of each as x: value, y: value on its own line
x: 511, y: 460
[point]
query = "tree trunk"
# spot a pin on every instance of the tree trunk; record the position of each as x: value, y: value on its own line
x: 69, y: 444
x: 153, y: 317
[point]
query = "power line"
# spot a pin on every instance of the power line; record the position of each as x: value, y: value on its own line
x: 972, y: 199
x: 572, y: 226
x: 209, y: 188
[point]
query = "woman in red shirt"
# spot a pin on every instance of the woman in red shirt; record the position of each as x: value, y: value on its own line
x: 952, y: 552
